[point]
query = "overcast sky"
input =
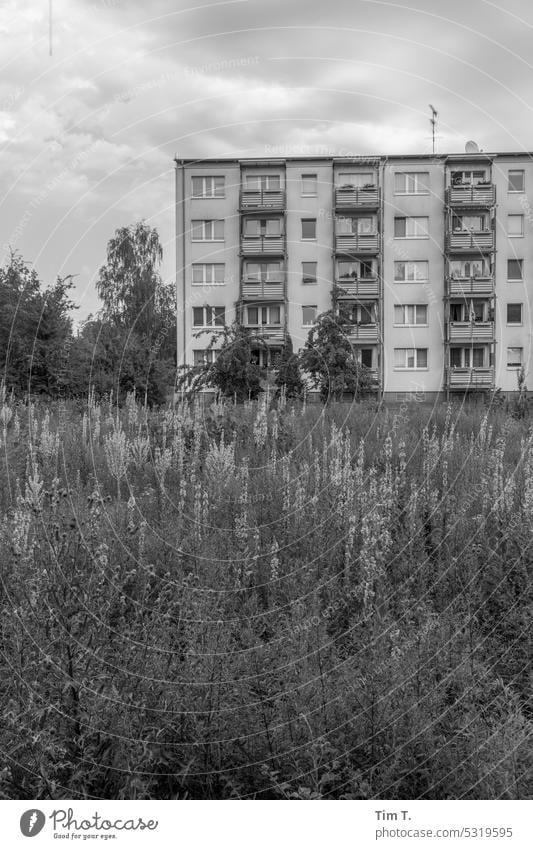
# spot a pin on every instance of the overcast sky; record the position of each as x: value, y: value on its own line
x: 88, y: 134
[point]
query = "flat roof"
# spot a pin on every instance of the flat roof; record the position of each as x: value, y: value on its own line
x: 359, y: 158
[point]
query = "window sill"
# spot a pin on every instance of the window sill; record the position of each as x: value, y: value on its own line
x: 411, y: 237
x: 202, y: 241
x: 515, y: 280
x: 411, y: 326
x: 223, y: 283
x: 412, y: 194
x: 399, y: 368
x: 208, y: 197
x: 514, y: 324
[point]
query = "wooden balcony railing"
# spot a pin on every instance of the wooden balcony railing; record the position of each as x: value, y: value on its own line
x: 357, y: 198
x: 357, y: 244
x: 466, y: 241
x: 464, y: 286
x: 272, y: 334
x: 467, y: 331
x: 266, y: 199
x: 269, y: 289
x: 359, y: 287
x: 471, y: 196
x: 362, y: 332
x: 257, y: 245
x: 470, y: 378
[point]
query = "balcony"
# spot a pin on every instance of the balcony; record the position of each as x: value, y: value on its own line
x: 468, y: 286
x: 355, y: 244
x: 262, y: 245
x: 350, y: 288
x: 467, y: 331
x: 261, y: 200
x: 470, y: 378
x: 362, y: 332
x: 271, y: 334
x: 480, y: 196
x: 350, y: 197
x: 270, y: 289
x: 462, y: 241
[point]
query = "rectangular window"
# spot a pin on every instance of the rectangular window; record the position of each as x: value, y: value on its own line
x: 309, y: 272
x: 263, y: 316
x: 467, y: 357
x: 208, y: 273
x: 411, y: 228
x: 256, y: 227
x: 470, y: 223
x: 410, y: 315
x: 309, y: 184
x: 514, y: 313
x: 262, y: 271
x: 201, y: 357
x: 208, y: 316
x: 366, y: 357
x: 515, y: 269
x: 263, y: 182
x: 208, y: 231
x: 208, y: 187
x: 410, y: 358
x: 308, y: 228
x: 351, y: 269
x: 515, y: 225
x: 468, y: 178
x: 411, y: 182
x: 356, y: 180
x: 411, y: 272
x: 308, y: 316
x: 516, y: 181
x: 462, y: 268
x: 514, y: 357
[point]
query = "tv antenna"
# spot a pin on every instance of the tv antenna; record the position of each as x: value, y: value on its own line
x: 50, y: 33
x: 433, y: 122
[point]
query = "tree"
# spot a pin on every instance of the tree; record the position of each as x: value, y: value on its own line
x: 329, y: 358
x: 233, y: 373
x: 288, y: 376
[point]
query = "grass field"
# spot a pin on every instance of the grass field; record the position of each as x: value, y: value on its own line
x: 221, y: 602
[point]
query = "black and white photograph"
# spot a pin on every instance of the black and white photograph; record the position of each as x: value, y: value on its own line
x: 266, y: 422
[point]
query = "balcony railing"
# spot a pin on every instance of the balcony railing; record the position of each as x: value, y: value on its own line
x: 361, y: 332
x: 357, y: 244
x: 463, y: 286
x: 271, y: 334
x: 467, y: 331
x: 257, y: 245
x: 470, y: 378
x: 465, y: 241
x: 472, y: 196
x: 350, y: 197
x: 270, y: 289
x: 360, y: 287
x: 259, y: 200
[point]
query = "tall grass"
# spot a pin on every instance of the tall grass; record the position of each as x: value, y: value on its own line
x: 213, y: 601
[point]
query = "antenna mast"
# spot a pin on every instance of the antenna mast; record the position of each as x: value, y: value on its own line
x: 433, y: 122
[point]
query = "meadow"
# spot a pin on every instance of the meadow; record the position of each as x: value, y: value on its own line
x: 265, y: 601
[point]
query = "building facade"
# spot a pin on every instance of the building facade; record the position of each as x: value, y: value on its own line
x: 432, y: 257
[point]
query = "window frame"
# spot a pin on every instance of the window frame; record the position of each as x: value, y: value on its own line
x: 515, y: 365
x: 305, y: 177
x: 417, y: 181
x: 414, y: 263
x: 309, y: 307
x: 308, y: 221
x: 415, y: 367
x: 204, y: 222
x: 515, y: 323
x: 406, y: 308
x: 520, y: 263
x: 204, y: 266
x: 511, y: 191
x: 215, y: 313
x: 515, y: 215
x: 406, y: 219
x: 314, y: 276
x: 204, y: 179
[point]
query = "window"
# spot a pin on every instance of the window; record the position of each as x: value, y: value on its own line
x: 366, y: 357
x: 361, y: 314
x: 515, y: 269
x: 263, y: 182
x: 410, y: 358
x: 208, y: 187
x: 468, y: 178
x: 352, y: 269
x: 256, y: 227
x: 474, y: 311
x: 514, y: 313
x: 208, y: 231
x: 308, y: 228
x: 208, y: 274
x: 362, y: 225
x: 201, y: 357
x: 308, y: 316
x: 356, y: 180
x: 470, y: 223
x: 514, y: 357
x: 467, y: 357
x: 411, y: 182
x: 208, y: 316
x: 515, y: 225
x: 309, y: 272
x: 410, y: 315
x: 309, y: 184
x: 411, y: 228
x: 263, y: 316
x: 262, y: 272
x: 516, y: 181
x: 266, y: 358
x: 462, y: 268
x: 411, y: 272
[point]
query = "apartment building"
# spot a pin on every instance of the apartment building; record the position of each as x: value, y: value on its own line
x: 432, y: 257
